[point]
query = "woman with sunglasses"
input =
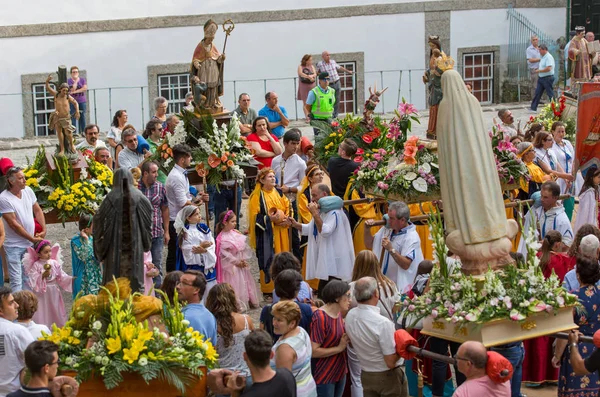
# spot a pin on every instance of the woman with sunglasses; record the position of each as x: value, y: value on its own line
x: 545, y: 157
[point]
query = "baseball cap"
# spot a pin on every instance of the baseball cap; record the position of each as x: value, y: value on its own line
x: 323, y: 75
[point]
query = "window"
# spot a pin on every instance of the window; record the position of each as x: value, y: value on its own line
x: 347, y: 89
x: 478, y: 70
x: 43, y: 106
x: 174, y: 87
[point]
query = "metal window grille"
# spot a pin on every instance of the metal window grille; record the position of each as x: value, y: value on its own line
x: 43, y: 106
x: 347, y: 89
x: 478, y: 70
x: 174, y: 87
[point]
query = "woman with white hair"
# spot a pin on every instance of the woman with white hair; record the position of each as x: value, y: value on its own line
x: 160, y: 110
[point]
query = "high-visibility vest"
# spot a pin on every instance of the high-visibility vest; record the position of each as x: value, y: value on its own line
x: 322, y: 107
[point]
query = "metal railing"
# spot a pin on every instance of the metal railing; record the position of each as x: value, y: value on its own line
x: 104, y: 102
x: 519, y: 38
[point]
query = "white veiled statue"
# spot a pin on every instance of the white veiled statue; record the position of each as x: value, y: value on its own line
x: 478, y: 231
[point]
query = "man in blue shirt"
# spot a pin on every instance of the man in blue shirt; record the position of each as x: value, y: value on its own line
x: 546, y: 77
x: 191, y: 289
x: 277, y: 115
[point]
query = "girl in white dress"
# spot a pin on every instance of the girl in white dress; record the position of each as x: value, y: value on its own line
x: 588, y: 200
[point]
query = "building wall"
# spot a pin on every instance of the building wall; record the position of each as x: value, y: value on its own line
x: 391, y: 36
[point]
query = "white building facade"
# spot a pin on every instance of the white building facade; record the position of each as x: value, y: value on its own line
x: 131, y: 51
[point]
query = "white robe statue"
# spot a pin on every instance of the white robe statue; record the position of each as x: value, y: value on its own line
x: 331, y: 252
x: 478, y: 231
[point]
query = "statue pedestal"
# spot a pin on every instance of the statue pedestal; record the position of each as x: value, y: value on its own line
x: 222, y: 118
x: 77, y: 165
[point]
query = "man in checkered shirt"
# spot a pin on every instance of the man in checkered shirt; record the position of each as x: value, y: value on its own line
x: 330, y: 66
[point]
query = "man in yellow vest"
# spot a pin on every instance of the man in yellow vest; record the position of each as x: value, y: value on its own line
x: 320, y: 102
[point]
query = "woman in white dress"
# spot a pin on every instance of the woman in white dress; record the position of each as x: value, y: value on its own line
x: 565, y: 154
x: 546, y: 158
x: 588, y: 200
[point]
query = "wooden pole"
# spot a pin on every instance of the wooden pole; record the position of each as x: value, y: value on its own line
x: 205, y: 203
x: 518, y: 203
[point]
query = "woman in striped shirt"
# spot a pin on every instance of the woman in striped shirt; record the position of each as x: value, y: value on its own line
x: 293, y: 349
x: 329, y: 340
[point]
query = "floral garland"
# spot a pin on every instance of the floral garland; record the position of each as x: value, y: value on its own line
x: 512, y: 293
x: 510, y: 167
x: 115, y: 342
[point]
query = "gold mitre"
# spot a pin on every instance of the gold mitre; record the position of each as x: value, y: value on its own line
x: 445, y: 62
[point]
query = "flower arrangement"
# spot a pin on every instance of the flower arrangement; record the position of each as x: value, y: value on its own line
x: 512, y: 293
x: 58, y: 190
x: 510, y: 167
x: 414, y: 174
x: 554, y: 112
x: 113, y: 341
x: 219, y: 152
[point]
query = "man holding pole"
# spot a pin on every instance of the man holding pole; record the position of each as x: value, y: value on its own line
x: 398, y: 246
x: 289, y: 170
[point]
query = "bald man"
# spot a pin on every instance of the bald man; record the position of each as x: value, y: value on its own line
x: 471, y: 361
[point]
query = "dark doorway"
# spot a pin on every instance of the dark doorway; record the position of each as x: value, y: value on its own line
x: 586, y: 13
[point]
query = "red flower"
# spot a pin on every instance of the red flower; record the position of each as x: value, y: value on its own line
x: 358, y: 159
x: 360, y: 151
x: 368, y: 139
x: 376, y: 133
x: 335, y: 124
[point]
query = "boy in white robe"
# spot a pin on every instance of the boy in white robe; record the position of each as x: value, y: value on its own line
x: 549, y: 216
x: 330, y: 252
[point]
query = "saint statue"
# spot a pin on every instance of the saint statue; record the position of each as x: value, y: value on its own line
x: 432, y: 78
x: 60, y: 119
x: 207, y: 71
x: 122, y: 231
x: 478, y: 231
x: 579, y: 58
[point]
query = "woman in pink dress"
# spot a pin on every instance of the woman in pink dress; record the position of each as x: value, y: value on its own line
x: 43, y: 267
x: 233, y: 257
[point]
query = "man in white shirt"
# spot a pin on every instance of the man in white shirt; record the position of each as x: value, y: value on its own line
x: 372, y: 337
x: 91, y: 141
x: 19, y: 207
x: 330, y: 252
x: 289, y: 170
x: 129, y: 157
x: 549, y: 216
x: 14, y: 339
x: 178, y: 195
x: 400, y: 246
x: 533, y: 62
x: 508, y: 123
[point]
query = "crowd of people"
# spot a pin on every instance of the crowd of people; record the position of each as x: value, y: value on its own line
x: 330, y: 277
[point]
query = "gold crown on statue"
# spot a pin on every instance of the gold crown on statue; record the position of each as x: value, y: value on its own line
x: 445, y: 63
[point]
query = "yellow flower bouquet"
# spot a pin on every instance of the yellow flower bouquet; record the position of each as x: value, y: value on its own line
x: 113, y: 342
x: 61, y: 192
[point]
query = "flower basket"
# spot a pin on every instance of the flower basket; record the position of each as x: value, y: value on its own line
x: 52, y: 217
x: 500, y: 332
x: 134, y: 386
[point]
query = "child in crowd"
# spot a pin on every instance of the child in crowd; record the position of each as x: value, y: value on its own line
x: 287, y: 260
x: 86, y: 268
x: 233, y: 260
x: 43, y: 266
x: 552, y: 257
x: 422, y: 277
x: 588, y: 200
x: 150, y: 271
x: 197, y: 245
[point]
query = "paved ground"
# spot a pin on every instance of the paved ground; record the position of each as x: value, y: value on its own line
x: 20, y: 150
